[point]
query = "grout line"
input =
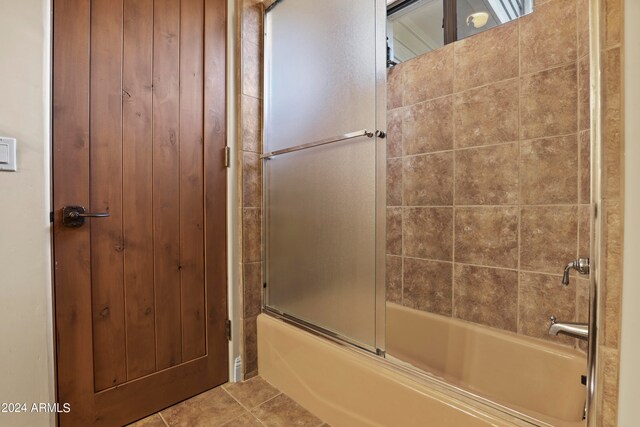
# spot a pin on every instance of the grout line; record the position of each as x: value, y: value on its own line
x: 519, y: 129
x: 246, y: 409
x: 505, y: 206
x: 163, y: 420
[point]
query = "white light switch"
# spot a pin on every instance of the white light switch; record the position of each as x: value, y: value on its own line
x: 7, y: 154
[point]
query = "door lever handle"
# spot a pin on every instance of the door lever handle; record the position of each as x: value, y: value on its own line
x: 73, y: 216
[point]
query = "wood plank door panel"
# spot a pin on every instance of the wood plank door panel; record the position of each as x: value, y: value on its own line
x: 139, y: 133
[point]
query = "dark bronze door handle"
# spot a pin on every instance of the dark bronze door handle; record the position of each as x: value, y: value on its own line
x: 73, y: 216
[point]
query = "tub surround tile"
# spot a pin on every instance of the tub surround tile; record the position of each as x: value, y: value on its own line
x: 610, y: 380
x: 548, y: 36
x: 394, y: 279
x: 612, y: 257
x: 438, y: 65
x: 585, y: 166
x: 427, y: 127
x: 251, y: 69
x: 548, y: 237
x: 252, y: 281
x: 487, y: 115
x: 487, y: 57
x: 394, y: 231
x: 428, y: 179
x: 282, y: 411
x: 488, y: 296
x: 428, y: 285
x: 487, y: 175
x: 549, y: 171
x: 251, y: 180
x: 487, y: 236
x: 251, y: 393
x: 394, y: 182
x: 582, y: 307
x: 543, y: 296
x: 394, y: 134
x: 612, y: 163
x: 252, y: 21
x: 251, y: 118
x: 612, y: 19
x: 252, y: 234
x: 395, y: 86
x: 428, y: 233
x: 212, y: 408
x: 582, y: 22
x: 250, y: 345
x: 584, y: 94
x: 548, y: 103
x: 584, y: 231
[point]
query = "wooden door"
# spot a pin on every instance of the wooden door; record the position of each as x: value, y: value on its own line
x: 139, y: 132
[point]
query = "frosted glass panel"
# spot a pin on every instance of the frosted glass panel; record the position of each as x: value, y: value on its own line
x: 320, y: 70
x: 321, y: 237
x: 320, y: 203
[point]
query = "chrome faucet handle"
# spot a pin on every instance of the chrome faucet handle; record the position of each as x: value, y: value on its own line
x: 581, y: 265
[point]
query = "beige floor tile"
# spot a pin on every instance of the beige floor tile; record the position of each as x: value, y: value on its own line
x: 282, y: 411
x: 212, y: 408
x: 245, y: 420
x: 152, y: 421
x: 253, y: 392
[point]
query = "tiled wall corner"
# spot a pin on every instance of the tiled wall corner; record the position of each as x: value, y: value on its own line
x: 250, y: 174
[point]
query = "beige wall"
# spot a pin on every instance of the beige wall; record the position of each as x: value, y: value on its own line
x: 630, y: 337
x: 26, y: 373
x: 488, y: 174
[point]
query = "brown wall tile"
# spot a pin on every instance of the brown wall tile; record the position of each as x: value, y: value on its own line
x: 612, y: 20
x: 548, y: 36
x: 394, y: 182
x: 543, y: 296
x: 428, y: 233
x: 612, y: 164
x: 395, y: 86
x: 548, y: 237
x: 584, y: 231
x: 582, y: 22
x: 549, y: 171
x: 428, y: 179
x: 394, y: 133
x: 486, y: 295
x: 252, y: 234
x: 394, y: 279
x: 251, y: 119
x: 437, y: 65
x: 585, y: 166
x: 428, y: 126
x: 251, y: 69
x: 487, y: 115
x: 584, y: 94
x: 250, y: 345
x: 394, y: 231
x: 609, y: 375
x: 252, y: 283
x: 487, y: 175
x: 252, y: 21
x: 427, y: 285
x: 487, y: 57
x: 612, y: 259
x: 548, y: 103
x: 251, y: 180
x: 487, y: 236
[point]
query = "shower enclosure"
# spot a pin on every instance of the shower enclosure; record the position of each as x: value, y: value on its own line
x: 410, y: 213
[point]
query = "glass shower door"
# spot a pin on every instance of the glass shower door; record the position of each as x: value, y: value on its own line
x: 320, y: 165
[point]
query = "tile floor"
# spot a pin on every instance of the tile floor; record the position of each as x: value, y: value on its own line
x: 252, y: 403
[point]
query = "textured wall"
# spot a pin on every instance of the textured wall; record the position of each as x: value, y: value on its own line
x: 250, y: 172
x: 488, y: 174
x: 26, y: 354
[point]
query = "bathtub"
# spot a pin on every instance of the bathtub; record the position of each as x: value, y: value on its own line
x: 540, y: 379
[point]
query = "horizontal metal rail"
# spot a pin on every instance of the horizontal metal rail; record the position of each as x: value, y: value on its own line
x: 339, y: 138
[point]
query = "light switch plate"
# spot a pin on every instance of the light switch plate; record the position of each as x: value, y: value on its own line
x: 8, y: 161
